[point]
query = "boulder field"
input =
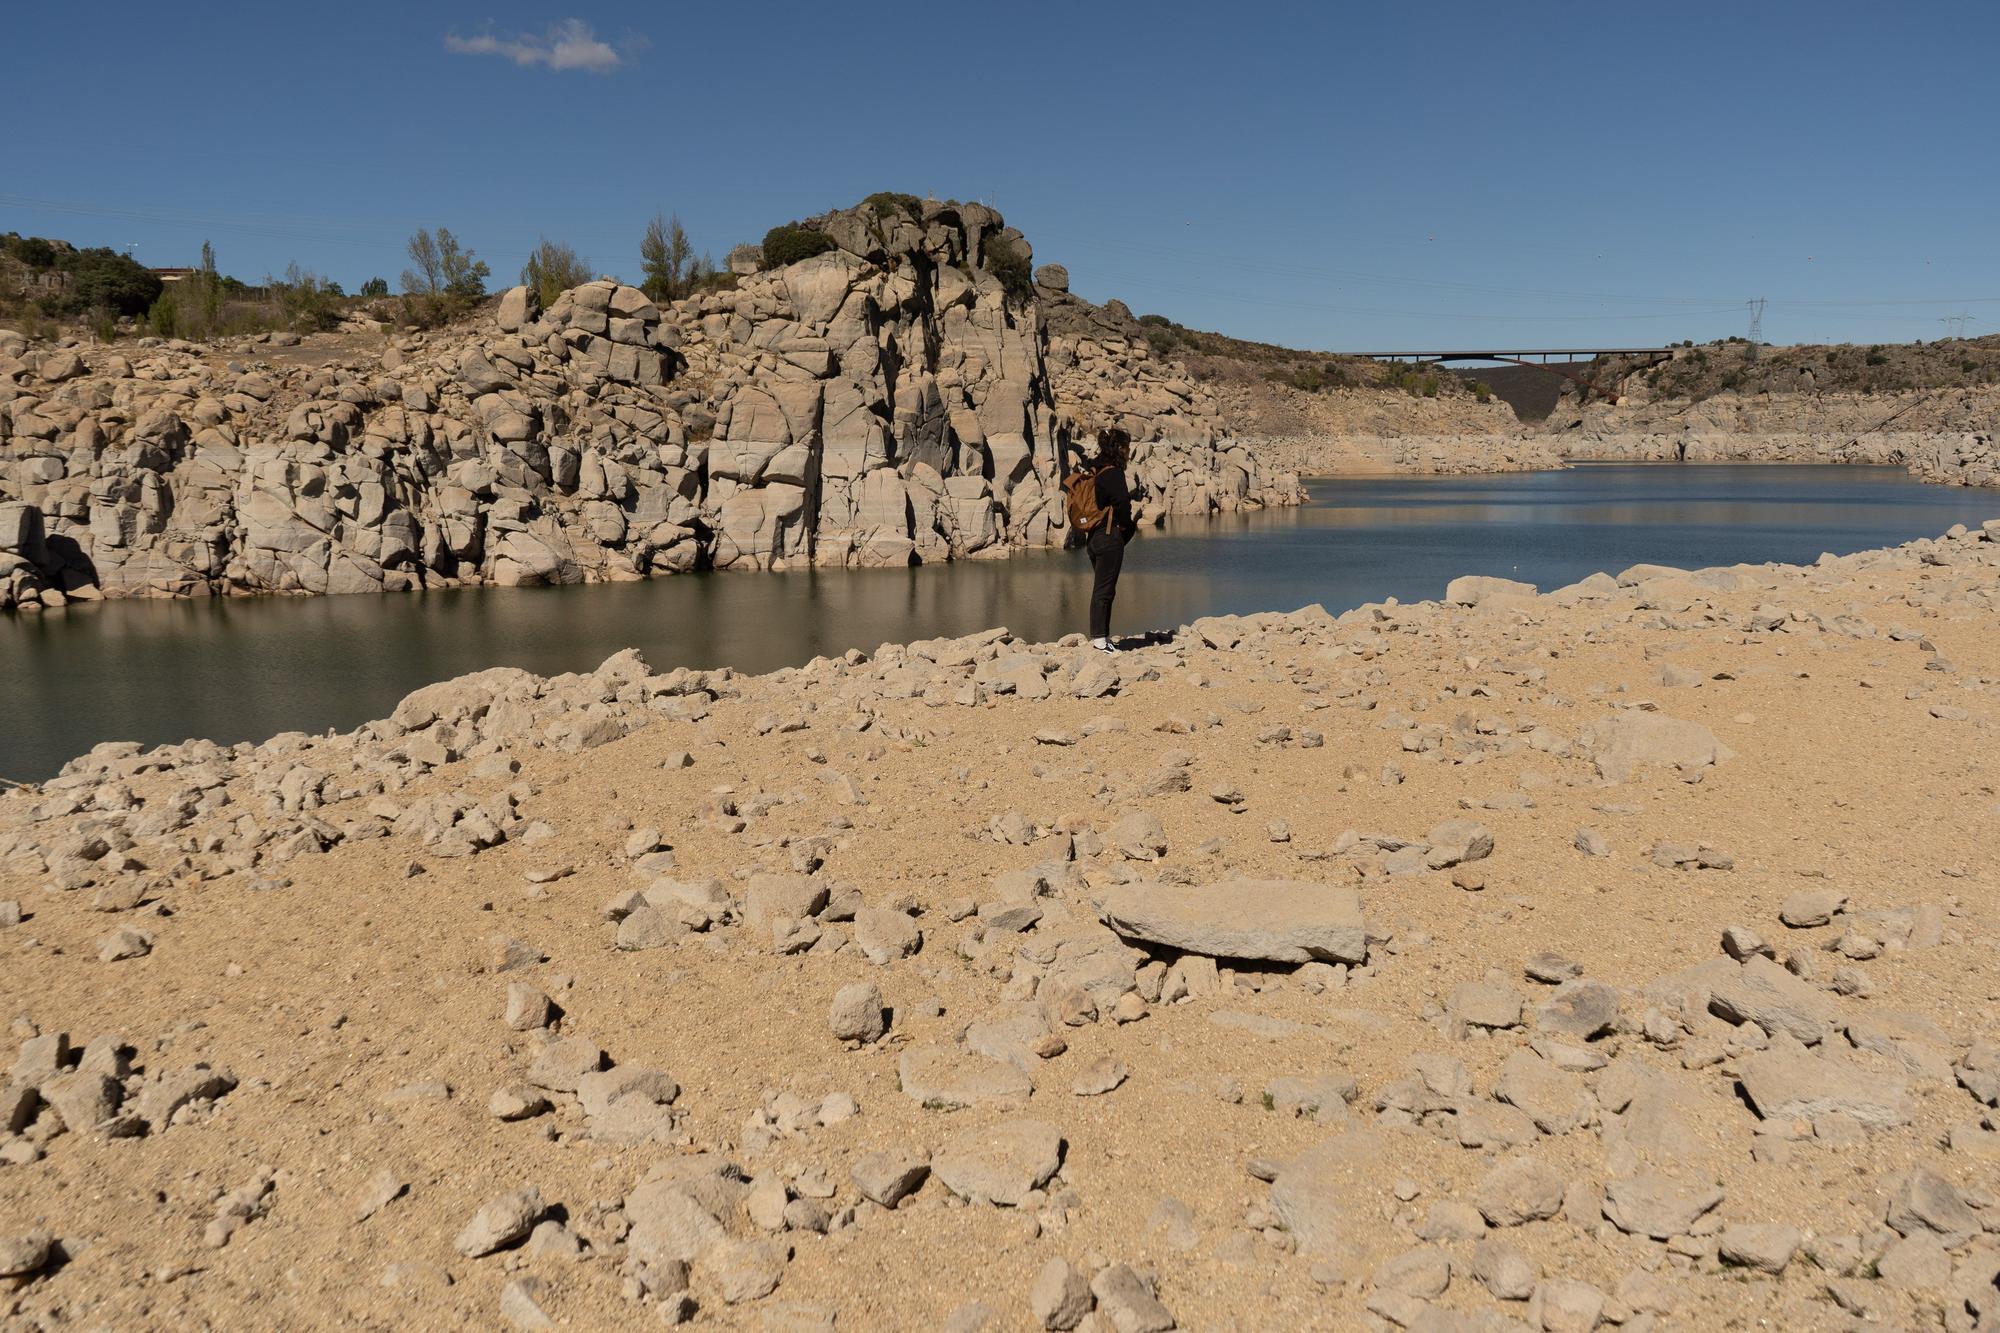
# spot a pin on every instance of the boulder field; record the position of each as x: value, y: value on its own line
x: 886, y: 402
x: 1622, y: 955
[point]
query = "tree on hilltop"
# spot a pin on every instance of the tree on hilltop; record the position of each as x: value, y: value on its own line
x: 447, y: 278
x: 552, y: 269
x: 667, y: 256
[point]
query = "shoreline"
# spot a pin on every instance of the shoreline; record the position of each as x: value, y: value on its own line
x: 1749, y: 451
x: 629, y: 658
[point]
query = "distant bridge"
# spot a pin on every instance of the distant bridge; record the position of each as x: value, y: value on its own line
x: 1542, y: 358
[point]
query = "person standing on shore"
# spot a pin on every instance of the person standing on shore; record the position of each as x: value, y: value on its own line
x: 1099, y: 501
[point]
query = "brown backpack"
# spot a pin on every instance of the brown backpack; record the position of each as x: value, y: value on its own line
x: 1080, y: 497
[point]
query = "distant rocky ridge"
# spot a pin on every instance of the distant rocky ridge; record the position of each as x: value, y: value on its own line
x: 884, y: 403
x: 1950, y: 436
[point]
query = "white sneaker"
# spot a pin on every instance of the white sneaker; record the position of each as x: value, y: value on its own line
x: 1104, y: 645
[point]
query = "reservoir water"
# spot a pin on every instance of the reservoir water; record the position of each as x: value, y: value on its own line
x: 245, y: 668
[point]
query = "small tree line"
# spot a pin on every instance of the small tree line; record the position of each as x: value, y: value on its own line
x: 445, y: 279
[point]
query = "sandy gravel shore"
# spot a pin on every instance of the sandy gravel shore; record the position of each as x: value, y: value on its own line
x: 1622, y: 955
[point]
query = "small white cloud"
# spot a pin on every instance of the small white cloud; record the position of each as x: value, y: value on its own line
x: 570, y: 44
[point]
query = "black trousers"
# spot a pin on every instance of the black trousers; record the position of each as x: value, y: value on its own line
x: 1107, y: 557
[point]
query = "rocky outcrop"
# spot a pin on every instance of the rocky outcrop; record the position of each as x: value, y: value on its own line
x: 886, y: 402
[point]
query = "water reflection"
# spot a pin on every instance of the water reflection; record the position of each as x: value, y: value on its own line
x: 238, y: 669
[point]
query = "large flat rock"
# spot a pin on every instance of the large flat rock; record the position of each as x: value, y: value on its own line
x: 1792, y: 1084
x: 1275, y: 920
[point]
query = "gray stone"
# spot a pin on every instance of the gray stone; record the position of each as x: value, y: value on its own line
x: 885, y: 935
x: 1519, y: 1190
x: 516, y: 1101
x: 1743, y: 944
x: 856, y: 1013
x: 1916, y: 1263
x: 1579, y: 1008
x: 1564, y: 1305
x: 1482, y: 590
x: 1764, y: 1246
x: 519, y: 1305
x: 1658, y: 1206
x: 1000, y: 1163
x: 888, y: 1177
x: 1811, y: 907
x: 1128, y: 1300
x: 1139, y: 836
x: 769, y: 897
x: 1557, y: 1102
x: 1451, y: 1220
x: 1788, y: 1083
x: 23, y: 1255
x: 160, y: 1099
x: 1490, y: 1003
x: 671, y: 1224
x: 1761, y: 992
x: 84, y: 1098
x: 941, y: 1078
x: 1627, y: 742
x: 1311, y: 1193
x: 1922, y: 1200
x: 1455, y: 841
x: 1424, y: 1272
x: 527, y: 1007
x: 563, y: 1062
x: 501, y: 1222
x: 1503, y: 1270
x: 1102, y: 1075
x: 1280, y: 921
x: 1060, y: 1297
x: 747, y: 1270
x: 383, y: 1188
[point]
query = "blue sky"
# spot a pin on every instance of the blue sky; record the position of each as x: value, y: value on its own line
x: 1346, y: 177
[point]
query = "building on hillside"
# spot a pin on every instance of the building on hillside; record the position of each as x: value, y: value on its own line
x: 171, y: 275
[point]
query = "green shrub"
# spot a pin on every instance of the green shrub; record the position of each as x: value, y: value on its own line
x: 375, y: 287
x: 307, y: 301
x: 667, y: 258
x: 103, y: 277
x: 33, y: 251
x: 1006, y: 261
x: 552, y: 269
x: 163, y: 317
x: 1875, y: 358
x: 447, y: 279
x: 1484, y: 391
x: 888, y: 203
x: 791, y: 243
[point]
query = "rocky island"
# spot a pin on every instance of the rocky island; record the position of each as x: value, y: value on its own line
x: 891, y: 399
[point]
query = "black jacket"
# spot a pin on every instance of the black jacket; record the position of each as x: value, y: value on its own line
x: 1115, y: 495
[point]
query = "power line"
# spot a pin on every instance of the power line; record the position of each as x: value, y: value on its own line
x: 1756, y: 325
